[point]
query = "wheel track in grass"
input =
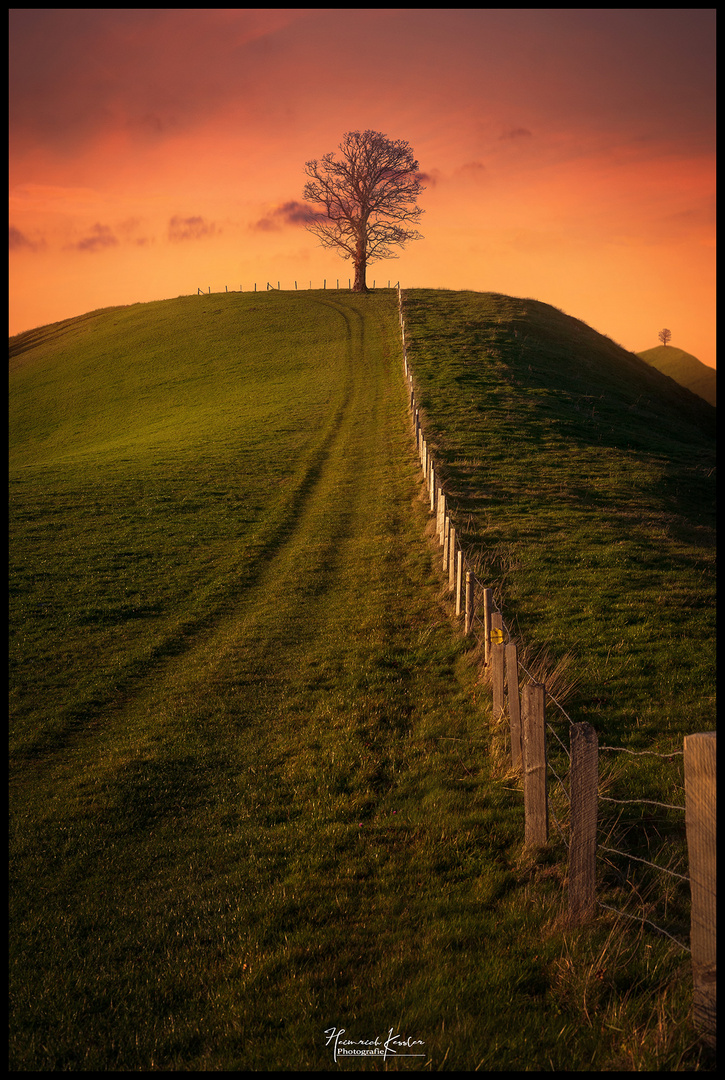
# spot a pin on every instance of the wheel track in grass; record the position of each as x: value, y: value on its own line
x: 304, y: 558
x: 314, y: 553
x: 262, y: 572
x: 289, y: 714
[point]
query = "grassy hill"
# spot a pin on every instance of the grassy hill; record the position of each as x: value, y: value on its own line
x: 255, y: 793
x: 684, y: 368
x: 586, y: 480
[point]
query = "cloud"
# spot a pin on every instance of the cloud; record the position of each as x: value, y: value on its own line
x: 289, y: 213
x: 472, y: 170
x: 190, y: 228
x: 516, y: 133
x: 99, y: 238
x: 18, y: 241
x: 78, y: 75
x: 129, y: 230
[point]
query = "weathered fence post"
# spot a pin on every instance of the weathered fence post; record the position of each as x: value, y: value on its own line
x: 459, y: 581
x: 432, y: 488
x: 584, y: 748
x: 441, y: 513
x: 470, y: 611
x: 512, y: 686
x: 497, y: 658
x: 495, y: 635
x: 536, y: 810
x: 452, y: 559
x: 487, y: 605
x: 700, y: 806
x: 451, y: 553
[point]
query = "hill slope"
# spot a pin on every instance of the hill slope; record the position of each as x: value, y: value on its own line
x: 586, y: 480
x: 684, y: 368
x: 252, y: 774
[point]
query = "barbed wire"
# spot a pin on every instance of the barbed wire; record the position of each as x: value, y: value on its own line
x: 641, y: 918
x: 638, y: 753
x: 556, y: 736
x: 626, y: 855
x: 646, y: 802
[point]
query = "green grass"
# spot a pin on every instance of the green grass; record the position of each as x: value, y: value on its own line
x: 254, y: 789
x: 584, y: 486
x: 685, y: 369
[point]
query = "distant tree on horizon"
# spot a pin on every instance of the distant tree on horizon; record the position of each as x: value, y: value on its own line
x: 664, y: 336
x: 366, y: 199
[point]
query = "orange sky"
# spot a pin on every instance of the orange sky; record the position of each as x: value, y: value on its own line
x: 569, y: 155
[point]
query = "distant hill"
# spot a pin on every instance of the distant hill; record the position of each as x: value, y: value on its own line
x: 684, y: 368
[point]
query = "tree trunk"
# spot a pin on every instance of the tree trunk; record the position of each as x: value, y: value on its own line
x: 360, y: 262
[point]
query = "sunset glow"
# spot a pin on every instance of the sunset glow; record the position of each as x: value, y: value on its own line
x: 568, y: 155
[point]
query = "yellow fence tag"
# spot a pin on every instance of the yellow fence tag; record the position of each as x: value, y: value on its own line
x: 496, y: 636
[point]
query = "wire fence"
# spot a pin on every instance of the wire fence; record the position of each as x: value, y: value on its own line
x: 533, y: 738
x: 269, y: 286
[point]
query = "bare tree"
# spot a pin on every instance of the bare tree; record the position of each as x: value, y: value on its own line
x: 367, y: 199
x: 664, y: 336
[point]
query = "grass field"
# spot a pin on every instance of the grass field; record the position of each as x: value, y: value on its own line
x: 685, y: 369
x: 255, y: 795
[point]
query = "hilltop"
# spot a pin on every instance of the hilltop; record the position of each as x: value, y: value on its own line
x: 506, y: 343
x: 684, y: 368
x: 586, y: 480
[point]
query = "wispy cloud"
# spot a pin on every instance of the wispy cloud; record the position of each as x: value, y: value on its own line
x: 99, y: 238
x: 516, y: 133
x: 289, y: 213
x: 18, y: 241
x: 190, y: 228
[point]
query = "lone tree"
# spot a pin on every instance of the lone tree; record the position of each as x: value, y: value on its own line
x: 366, y: 199
x: 664, y: 336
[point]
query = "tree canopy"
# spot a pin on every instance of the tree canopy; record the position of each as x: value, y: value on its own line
x: 365, y: 200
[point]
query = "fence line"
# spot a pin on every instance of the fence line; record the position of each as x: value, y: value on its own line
x: 270, y: 286
x: 528, y: 727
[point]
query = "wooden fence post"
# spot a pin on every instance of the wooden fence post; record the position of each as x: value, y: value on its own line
x: 452, y: 560
x: 470, y: 611
x: 487, y: 605
x: 497, y: 658
x: 512, y: 686
x: 441, y: 513
x: 495, y: 636
x: 536, y: 810
x: 446, y: 540
x: 583, y: 830
x: 459, y: 581
x: 451, y: 554
x: 700, y: 806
